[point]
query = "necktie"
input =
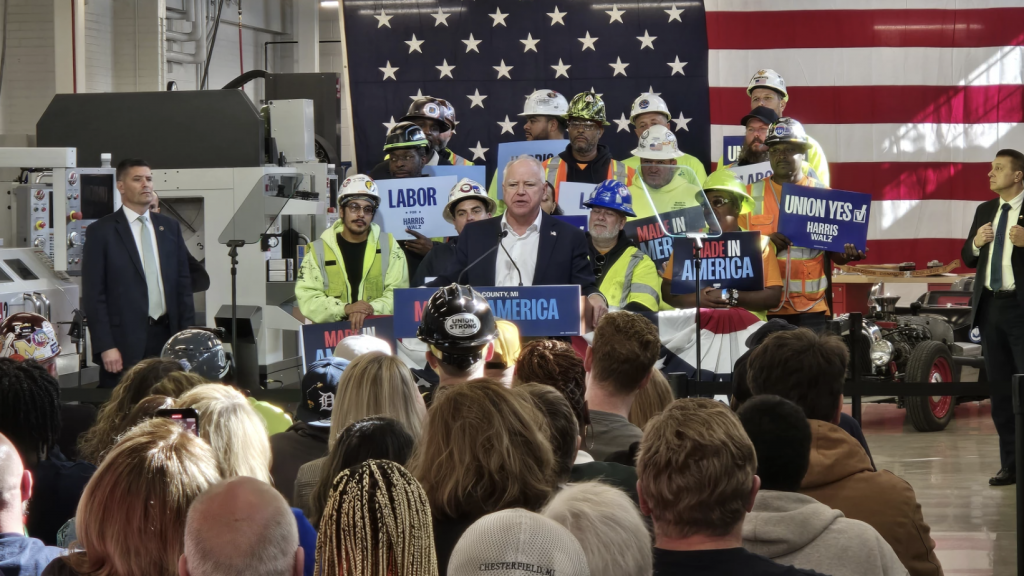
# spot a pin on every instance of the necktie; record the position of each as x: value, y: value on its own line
x: 995, y: 275
x: 149, y: 264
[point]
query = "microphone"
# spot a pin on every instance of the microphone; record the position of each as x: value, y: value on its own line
x: 501, y: 235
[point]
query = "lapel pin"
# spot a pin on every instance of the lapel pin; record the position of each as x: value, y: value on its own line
x: 161, y: 228
x: 553, y: 233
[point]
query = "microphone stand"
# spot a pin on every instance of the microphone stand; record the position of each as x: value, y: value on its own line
x: 500, y: 243
x: 698, y: 246
x: 233, y: 246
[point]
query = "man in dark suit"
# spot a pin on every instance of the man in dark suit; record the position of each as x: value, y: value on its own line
x: 537, y: 249
x: 136, y: 287
x: 996, y: 248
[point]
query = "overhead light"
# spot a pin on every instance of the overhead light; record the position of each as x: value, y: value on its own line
x: 328, y: 3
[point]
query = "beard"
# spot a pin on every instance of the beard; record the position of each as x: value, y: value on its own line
x: 749, y: 156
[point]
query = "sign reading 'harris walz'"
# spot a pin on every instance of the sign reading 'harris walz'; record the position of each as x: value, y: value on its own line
x: 732, y: 260
x: 535, y: 310
x: 824, y: 219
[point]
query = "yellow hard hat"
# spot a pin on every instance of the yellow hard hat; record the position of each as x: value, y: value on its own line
x: 507, y: 344
x: 725, y: 180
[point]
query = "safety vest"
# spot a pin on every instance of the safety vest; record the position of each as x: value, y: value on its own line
x: 632, y: 278
x: 804, y: 280
x: 555, y: 173
x: 457, y: 160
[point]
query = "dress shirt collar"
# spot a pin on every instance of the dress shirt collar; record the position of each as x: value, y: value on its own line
x: 535, y: 227
x: 1015, y: 204
x: 132, y: 215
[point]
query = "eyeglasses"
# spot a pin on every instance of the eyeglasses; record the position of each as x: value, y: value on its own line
x: 356, y: 210
x: 599, y: 271
x: 583, y: 126
x: 718, y: 201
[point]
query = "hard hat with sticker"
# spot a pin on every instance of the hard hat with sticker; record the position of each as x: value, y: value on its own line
x: 463, y: 324
x: 644, y: 104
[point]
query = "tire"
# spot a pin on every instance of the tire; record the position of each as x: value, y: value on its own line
x: 930, y: 362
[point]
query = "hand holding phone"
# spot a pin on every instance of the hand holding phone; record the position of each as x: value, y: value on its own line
x: 187, y: 418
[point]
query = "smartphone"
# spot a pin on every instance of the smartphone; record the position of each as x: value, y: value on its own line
x: 187, y: 418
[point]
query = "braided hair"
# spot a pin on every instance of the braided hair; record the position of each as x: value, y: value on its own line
x: 29, y: 407
x: 376, y: 523
x: 556, y: 364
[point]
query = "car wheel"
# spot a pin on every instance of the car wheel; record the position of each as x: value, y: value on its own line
x: 930, y: 362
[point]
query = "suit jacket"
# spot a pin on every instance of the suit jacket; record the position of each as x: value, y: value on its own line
x: 986, y: 213
x: 562, y: 257
x: 114, y: 290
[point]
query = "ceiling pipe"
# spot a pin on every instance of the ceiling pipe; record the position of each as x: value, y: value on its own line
x: 196, y: 12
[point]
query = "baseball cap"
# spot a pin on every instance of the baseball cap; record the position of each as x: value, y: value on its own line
x: 319, y: 386
x: 507, y: 345
x: 517, y: 542
x: 356, y: 345
x: 762, y: 113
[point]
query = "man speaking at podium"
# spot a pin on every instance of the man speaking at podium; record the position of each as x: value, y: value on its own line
x: 535, y: 249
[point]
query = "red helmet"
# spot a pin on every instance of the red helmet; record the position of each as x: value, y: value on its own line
x: 432, y: 108
x: 28, y: 336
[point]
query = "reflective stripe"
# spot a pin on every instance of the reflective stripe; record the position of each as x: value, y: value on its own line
x: 552, y: 175
x: 619, y: 170
x: 807, y: 286
x: 318, y: 249
x: 757, y: 192
x: 797, y: 253
x: 627, y: 285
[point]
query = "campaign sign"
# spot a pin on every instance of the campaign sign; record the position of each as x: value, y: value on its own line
x: 535, y: 310
x: 752, y: 172
x: 319, y: 340
x: 581, y: 222
x: 572, y: 195
x: 477, y: 174
x: 416, y: 204
x: 648, y: 235
x: 732, y: 260
x: 731, y: 147
x: 539, y: 149
x: 824, y: 219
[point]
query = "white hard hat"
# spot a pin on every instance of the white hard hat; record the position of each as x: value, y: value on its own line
x: 359, y: 186
x: 545, y: 103
x: 467, y: 188
x: 354, y: 346
x: 657, y: 143
x: 768, y: 78
x: 648, y: 102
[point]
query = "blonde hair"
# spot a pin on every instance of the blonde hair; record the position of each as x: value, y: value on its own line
x: 237, y: 433
x: 608, y: 526
x: 696, y: 469
x: 651, y: 400
x: 484, y: 448
x: 131, y: 517
x: 377, y: 523
x: 176, y: 384
x: 376, y: 384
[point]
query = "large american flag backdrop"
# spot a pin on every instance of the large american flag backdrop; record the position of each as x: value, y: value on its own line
x: 909, y: 100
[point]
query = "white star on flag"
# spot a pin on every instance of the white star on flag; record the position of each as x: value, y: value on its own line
x: 619, y: 67
x: 440, y: 18
x: 445, y: 69
x: 389, y: 125
x: 419, y: 94
x: 503, y: 70
x: 616, y: 14
x: 529, y: 43
x: 383, y: 19
x: 478, y: 152
x: 595, y: 92
x: 557, y: 16
x: 677, y: 66
x: 588, y: 42
x: 499, y: 18
x: 622, y: 122
x: 646, y: 41
x: 681, y: 122
x: 650, y: 90
x: 507, y: 126
x: 561, y: 69
x: 388, y: 71
x: 414, y: 45
x: 476, y: 99
x: 471, y: 44
x: 674, y: 14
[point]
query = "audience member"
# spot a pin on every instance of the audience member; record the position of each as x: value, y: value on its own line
x: 374, y: 384
x: 555, y: 363
x: 142, y: 411
x: 697, y: 483
x: 177, y: 383
x: 19, y: 554
x: 30, y: 413
x: 794, y: 529
x: 241, y: 527
x: 809, y: 369
x: 306, y: 439
x: 607, y: 525
x: 377, y: 523
x: 651, y: 399
x: 230, y: 425
x: 517, y: 542
x: 373, y: 438
x: 457, y: 357
x: 131, y: 519
x: 507, y: 346
x: 354, y: 346
x: 484, y: 448
x: 618, y: 364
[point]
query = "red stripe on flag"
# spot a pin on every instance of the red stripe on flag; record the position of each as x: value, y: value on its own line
x: 883, y: 104
x: 919, y: 251
x: 865, y: 29
x: 913, y: 180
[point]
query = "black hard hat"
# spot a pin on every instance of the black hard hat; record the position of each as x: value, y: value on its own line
x: 433, y: 109
x: 458, y: 322
x: 200, y: 352
x: 405, y: 135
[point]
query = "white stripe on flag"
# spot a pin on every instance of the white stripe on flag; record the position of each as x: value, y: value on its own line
x: 914, y: 219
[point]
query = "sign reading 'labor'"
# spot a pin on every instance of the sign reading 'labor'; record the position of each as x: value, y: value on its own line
x: 540, y: 149
x: 415, y: 204
x: 732, y: 260
x: 824, y: 219
x: 650, y: 237
x: 319, y: 340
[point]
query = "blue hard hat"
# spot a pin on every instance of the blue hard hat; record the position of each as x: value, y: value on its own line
x: 613, y: 195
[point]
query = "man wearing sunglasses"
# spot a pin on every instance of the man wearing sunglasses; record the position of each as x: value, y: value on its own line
x: 625, y: 275
x: 343, y: 276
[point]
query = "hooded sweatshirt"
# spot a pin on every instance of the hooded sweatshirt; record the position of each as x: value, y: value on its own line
x: 797, y: 530
x: 840, y: 476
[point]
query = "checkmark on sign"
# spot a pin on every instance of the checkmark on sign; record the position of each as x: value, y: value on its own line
x: 860, y: 215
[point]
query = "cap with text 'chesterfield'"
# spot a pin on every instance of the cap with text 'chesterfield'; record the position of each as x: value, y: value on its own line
x: 517, y: 542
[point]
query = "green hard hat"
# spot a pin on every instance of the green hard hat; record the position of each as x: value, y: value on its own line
x: 588, y: 106
x: 725, y: 180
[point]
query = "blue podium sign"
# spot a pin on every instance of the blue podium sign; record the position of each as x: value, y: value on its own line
x: 824, y: 219
x: 319, y: 340
x: 732, y: 260
x: 539, y: 149
x: 535, y: 310
x: 416, y: 204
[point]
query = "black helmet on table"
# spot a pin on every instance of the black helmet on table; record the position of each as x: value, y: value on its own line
x: 200, y: 352
x: 458, y: 323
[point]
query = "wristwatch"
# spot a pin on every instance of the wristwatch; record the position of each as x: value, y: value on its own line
x: 734, y: 297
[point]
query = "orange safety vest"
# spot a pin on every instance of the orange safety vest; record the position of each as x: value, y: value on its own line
x: 457, y: 160
x: 555, y: 172
x: 804, y: 283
